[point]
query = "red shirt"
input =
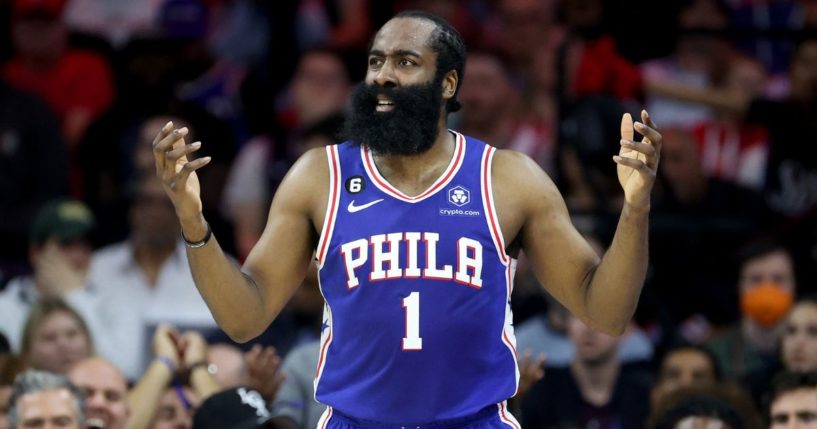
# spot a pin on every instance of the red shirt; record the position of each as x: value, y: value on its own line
x: 78, y: 80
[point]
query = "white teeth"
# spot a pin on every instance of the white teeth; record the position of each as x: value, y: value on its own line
x: 384, y: 103
x: 94, y: 423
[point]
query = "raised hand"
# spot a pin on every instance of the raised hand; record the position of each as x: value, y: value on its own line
x: 177, y: 172
x: 167, y: 344
x: 262, y: 367
x: 638, y: 161
x: 54, y: 272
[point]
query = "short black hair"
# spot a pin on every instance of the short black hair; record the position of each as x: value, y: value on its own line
x: 701, y: 404
x: 789, y: 381
x: 713, y: 360
x: 760, y: 248
x: 447, y: 42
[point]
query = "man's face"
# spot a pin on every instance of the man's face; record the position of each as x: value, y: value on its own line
x: 686, y: 367
x: 487, y: 92
x: 47, y: 409
x: 592, y: 347
x: 398, y: 108
x: 173, y: 412
x: 796, y: 409
x: 803, y: 71
x: 105, y: 394
x: 320, y: 76
x: 775, y: 267
x: 152, y: 217
x: 800, y: 340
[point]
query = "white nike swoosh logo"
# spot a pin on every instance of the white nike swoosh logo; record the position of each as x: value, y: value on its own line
x: 353, y: 208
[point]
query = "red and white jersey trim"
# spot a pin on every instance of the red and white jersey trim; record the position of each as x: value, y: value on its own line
x: 332, y: 202
x: 486, y: 182
x: 323, y: 422
x: 506, y: 417
x: 444, y: 179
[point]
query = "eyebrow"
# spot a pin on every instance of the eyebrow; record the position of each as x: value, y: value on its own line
x: 401, y: 52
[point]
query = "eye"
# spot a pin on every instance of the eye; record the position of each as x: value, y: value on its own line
x: 375, y: 61
x: 405, y: 62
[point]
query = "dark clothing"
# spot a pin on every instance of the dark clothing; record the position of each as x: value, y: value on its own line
x: 556, y: 402
x: 791, y: 175
x: 33, y: 169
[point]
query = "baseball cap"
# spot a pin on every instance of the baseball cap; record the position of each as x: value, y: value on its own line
x: 38, y: 8
x: 238, y: 408
x: 64, y: 219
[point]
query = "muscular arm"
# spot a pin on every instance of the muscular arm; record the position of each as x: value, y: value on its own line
x: 602, y: 292
x: 244, y: 302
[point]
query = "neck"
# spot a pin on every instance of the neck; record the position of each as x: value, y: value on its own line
x: 764, y: 340
x: 597, y: 380
x: 412, y: 174
x: 150, y: 259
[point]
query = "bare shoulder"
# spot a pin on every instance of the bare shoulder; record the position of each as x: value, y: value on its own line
x: 306, y: 185
x: 518, y: 180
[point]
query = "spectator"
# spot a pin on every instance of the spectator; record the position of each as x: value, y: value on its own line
x: 793, y: 401
x: 799, y: 346
x: 684, y: 366
x: 40, y: 398
x: 9, y: 369
x: 60, y: 251
x: 596, y: 390
x: 77, y: 85
x: 33, y: 170
x: 233, y: 408
x: 117, y: 23
x: 766, y: 287
x: 295, y: 406
x: 106, y: 392
x: 55, y: 338
x: 714, y: 406
x: 145, y: 280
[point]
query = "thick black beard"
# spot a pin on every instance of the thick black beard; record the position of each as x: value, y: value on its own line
x: 409, y: 129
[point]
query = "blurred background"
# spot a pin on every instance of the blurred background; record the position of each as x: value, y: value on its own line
x: 732, y: 84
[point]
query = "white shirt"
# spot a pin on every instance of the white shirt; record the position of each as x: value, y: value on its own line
x: 131, y: 308
x: 20, y: 295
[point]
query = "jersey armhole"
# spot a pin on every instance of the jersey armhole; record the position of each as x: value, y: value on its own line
x: 486, y: 185
x: 332, y: 202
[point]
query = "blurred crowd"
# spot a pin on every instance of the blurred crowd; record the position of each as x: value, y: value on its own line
x: 97, y: 304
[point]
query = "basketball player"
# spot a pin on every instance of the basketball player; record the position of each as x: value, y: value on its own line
x: 416, y: 229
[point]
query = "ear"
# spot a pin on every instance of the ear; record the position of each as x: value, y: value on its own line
x: 450, y: 83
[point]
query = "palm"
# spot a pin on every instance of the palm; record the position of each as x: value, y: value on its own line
x: 638, y: 161
x: 628, y: 177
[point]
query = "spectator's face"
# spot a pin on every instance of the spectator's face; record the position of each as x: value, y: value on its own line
x: 686, y: 367
x: 681, y: 165
x: 487, y: 93
x: 105, y: 394
x: 775, y: 267
x: 172, y: 413
x: 153, y: 219
x: 524, y: 26
x: 39, y: 39
x: 58, y: 344
x: 320, y: 87
x: 47, y: 409
x: 804, y: 71
x: 592, y: 347
x: 800, y: 339
x: 796, y: 409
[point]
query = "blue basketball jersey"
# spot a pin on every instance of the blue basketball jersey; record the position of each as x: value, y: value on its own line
x: 417, y: 323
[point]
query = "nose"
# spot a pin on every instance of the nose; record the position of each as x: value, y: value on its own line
x: 95, y: 400
x: 384, y: 76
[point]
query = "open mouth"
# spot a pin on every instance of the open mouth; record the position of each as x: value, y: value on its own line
x: 384, y: 105
x: 94, y: 423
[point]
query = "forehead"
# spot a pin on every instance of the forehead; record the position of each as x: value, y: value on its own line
x: 98, y: 374
x: 687, y: 359
x: 799, y: 399
x: 411, y: 34
x: 46, y: 402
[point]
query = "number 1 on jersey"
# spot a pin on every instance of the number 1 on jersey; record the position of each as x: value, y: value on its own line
x: 412, y: 340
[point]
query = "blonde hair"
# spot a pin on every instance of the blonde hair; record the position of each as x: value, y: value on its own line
x: 44, y: 308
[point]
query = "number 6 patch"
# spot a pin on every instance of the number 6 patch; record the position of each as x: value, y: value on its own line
x: 355, y: 184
